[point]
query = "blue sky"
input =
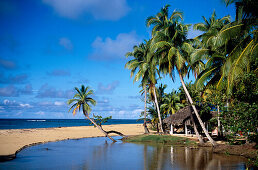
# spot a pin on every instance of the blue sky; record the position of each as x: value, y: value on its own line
x: 48, y: 47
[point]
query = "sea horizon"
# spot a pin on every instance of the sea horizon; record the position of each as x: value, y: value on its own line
x: 56, y: 123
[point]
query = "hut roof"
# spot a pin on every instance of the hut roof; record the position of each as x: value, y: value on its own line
x: 183, y: 116
x: 179, y: 117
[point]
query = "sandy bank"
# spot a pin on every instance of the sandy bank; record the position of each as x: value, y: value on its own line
x: 14, y: 140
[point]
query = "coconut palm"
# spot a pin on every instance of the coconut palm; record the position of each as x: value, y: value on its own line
x: 171, y: 46
x: 245, y: 9
x: 136, y: 64
x: 151, y: 66
x: 83, y: 101
x: 171, y: 104
x: 161, y: 93
x: 229, y: 49
x: 145, y: 67
x: 162, y: 20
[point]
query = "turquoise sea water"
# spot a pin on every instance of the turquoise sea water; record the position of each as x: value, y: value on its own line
x: 47, y: 123
x: 101, y: 154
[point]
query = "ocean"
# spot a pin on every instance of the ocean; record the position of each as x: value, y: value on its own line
x: 49, y: 123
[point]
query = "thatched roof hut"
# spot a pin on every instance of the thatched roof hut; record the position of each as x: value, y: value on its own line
x: 182, y: 117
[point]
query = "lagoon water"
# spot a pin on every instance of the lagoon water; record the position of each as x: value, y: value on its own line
x: 100, y: 153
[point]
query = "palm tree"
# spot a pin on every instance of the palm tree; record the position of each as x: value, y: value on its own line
x: 245, y: 9
x: 83, y: 101
x: 162, y: 20
x: 171, y: 45
x: 229, y: 49
x: 136, y: 64
x: 145, y: 66
x: 172, y: 103
x: 151, y: 67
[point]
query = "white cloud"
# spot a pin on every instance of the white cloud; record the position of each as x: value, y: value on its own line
x: 122, y: 112
x: 106, y: 49
x: 25, y: 105
x: 6, y: 101
x: 137, y: 111
x: 108, y: 89
x: 57, y: 103
x: 40, y: 113
x: 66, y: 43
x: 99, y: 9
x: 47, y: 91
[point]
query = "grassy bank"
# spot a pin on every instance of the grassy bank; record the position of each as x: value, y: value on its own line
x: 165, y: 139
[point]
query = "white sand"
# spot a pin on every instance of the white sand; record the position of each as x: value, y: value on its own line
x: 15, y: 139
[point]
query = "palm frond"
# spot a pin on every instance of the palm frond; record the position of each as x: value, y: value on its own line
x: 203, y: 77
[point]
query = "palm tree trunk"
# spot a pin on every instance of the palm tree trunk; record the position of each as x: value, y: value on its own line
x: 195, y: 110
x: 99, y: 127
x: 219, y: 124
x: 157, y: 106
x: 196, y: 130
x: 194, y: 125
x: 145, y: 112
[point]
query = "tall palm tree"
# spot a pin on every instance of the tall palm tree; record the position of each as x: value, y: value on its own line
x: 83, y: 101
x: 151, y: 66
x: 145, y: 67
x: 136, y: 66
x: 162, y: 20
x: 171, y: 45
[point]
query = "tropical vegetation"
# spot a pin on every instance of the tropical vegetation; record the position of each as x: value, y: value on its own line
x: 223, y: 60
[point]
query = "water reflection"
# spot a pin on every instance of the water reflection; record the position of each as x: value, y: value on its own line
x: 96, y: 153
x: 188, y: 158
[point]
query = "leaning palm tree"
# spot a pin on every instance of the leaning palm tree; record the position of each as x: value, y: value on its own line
x: 83, y: 101
x: 171, y: 45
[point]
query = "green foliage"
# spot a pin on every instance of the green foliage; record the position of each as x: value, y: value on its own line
x: 223, y: 58
x: 247, y: 88
x: 82, y: 100
x: 171, y: 103
x: 241, y: 117
x: 100, y: 120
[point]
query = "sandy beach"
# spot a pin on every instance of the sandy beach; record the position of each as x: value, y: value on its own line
x: 14, y: 140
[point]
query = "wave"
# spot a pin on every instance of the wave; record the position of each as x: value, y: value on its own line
x: 36, y: 120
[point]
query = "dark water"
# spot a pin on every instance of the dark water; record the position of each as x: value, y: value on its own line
x: 48, y: 123
x: 100, y: 153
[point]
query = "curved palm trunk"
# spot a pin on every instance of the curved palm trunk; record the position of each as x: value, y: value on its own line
x: 195, y: 110
x: 145, y: 112
x: 194, y: 125
x: 157, y: 106
x: 98, y: 126
x: 196, y: 130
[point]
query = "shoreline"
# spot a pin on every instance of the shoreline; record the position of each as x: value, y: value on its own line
x: 13, y: 141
